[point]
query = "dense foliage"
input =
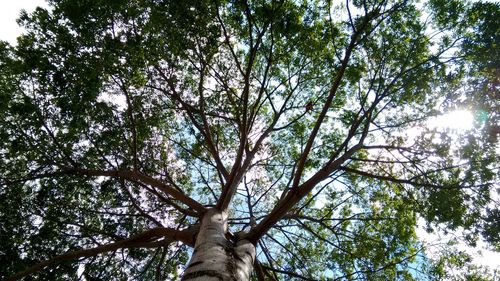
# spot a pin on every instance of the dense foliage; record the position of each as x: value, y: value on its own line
x: 307, y: 120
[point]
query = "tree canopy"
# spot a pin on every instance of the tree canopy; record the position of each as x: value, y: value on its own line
x: 122, y: 122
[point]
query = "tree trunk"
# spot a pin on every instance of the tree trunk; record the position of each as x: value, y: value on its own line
x: 215, y: 257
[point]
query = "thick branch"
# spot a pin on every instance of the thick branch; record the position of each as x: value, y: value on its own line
x: 141, y: 178
x: 333, y: 90
x: 297, y: 194
x: 144, y: 240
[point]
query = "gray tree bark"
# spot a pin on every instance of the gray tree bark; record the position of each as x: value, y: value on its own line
x: 217, y: 258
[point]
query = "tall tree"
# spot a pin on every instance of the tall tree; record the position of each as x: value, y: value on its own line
x: 263, y: 139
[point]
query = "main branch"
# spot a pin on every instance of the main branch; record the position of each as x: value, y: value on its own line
x: 135, y: 176
x: 146, y: 239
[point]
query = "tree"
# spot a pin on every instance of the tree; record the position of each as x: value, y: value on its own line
x: 258, y: 139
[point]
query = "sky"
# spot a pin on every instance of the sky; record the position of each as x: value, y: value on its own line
x: 9, y: 30
x: 9, y: 12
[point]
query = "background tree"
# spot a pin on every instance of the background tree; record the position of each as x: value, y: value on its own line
x: 289, y: 139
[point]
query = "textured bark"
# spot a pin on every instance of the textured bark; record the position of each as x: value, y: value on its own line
x: 215, y: 257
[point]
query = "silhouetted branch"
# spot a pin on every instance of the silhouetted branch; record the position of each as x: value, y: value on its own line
x: 147, y: 239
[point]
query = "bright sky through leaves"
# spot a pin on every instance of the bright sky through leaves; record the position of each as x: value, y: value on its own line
x: 9, y: 12
x: 459, y: 119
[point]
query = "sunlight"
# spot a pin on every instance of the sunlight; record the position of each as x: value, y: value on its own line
x: 458, y: 120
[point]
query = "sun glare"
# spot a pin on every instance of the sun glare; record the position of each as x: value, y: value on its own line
x: 458, y: 120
